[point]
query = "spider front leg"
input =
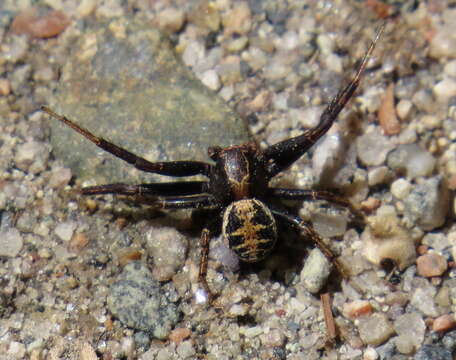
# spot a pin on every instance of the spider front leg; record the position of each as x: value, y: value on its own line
x: 280, y: 156
x: 308, y: 231
x: 169, y: 168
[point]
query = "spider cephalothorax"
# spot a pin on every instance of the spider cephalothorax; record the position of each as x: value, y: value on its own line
x: 237, y: 190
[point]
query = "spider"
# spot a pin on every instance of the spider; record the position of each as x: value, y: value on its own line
x: 236, y: 192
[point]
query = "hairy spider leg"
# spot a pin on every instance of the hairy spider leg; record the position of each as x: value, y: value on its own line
x: 204, y: 201
x: 180, y: 188
x: 308, y: 231
x: 281, y: 155
x: 304, y: 194
x: 170, y: 168
x: 202, y: 274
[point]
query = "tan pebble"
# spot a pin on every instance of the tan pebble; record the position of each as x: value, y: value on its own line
x: 444, y: 323
x: 357, y: 308
x: 370, y: 204
x: 452, y: 182
x: 431, y: 264
x: 78, y: 242
x: 91, y: 205
x: 170, y: 20
x: 238, y: 20
x: 261, y: 101
x: 5, y: 87
x: 384, y: 238
x: 387, y: 113
x: 422, y: 249
x: 87, y: 352
x: 127, y: 255
x: 40, y: 27
x: 179, y: 334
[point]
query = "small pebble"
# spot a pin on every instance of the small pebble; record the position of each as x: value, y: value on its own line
x: 403, y: 108
x: 372, y: 148
x: 424, y: 300
x: 375, y: 329
x: 357, y: 308
x: 370, y: 204
x: 315, y: 271
x: 377, y: 175
x: 411, y: 157
x: 86, y: 7
x: 273, y: 338
x: 44, y: 74
x: 140, y: 302
x: 211, y: 79
x: 428, y: 203
x: 168, y: 249
x: 384, y: 238
x: 238, y: 20
x: 443, y: 44
x: 444, y: 323
x: 253, y: 331
x: 170, y: 19
x: 87, y: 352
x: 179, y: 334
x: 5, y: 87
x: 32, y: 156
x: 433, y: 352
x: 60, y: 177
x: 431, y: 264
x: 40, y: 27
x: 78, y: 242
x: 445, y: 89
x: 11, y: 242
x: 400, y: 188
x: 65, y: 230
x: 194, y: 53
x: 370, y: 354
x: 431, y: 121
x: 439, y: 241
x: 450, y: 68
x: 410, y: 329
x: 186, y: 350
x: 229, y: 70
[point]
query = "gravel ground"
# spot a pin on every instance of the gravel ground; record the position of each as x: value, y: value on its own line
x: 105, y: 278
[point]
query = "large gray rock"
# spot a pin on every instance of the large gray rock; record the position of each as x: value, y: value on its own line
x: 122, y: 81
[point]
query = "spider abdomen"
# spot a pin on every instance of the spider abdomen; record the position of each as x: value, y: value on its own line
x: 250, y: 230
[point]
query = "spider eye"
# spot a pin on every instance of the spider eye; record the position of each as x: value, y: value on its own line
x: 249, y: 228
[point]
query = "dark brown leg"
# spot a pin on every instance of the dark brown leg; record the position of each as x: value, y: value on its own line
x: 156, y: 189
x: 186, y: 202
x: 204, y: 243
x: 301, y: 194
x: 281, y: 155
x: 171, y: 168
x: 308, y: 231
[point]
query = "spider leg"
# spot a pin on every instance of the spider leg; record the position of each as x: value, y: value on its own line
x: 182, y: 188
x: 202, y: 274
x: 170, y: 168
x: 304, y: 194
x: 178, y: 195
x: 307, y: 230
x: 281, y: 155
x: 201, y: 201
